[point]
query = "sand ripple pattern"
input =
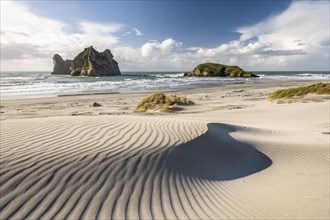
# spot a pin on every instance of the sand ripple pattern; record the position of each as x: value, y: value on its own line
x: 116, y: 167
x: 111, y: 168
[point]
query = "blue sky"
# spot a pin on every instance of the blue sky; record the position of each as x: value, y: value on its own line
x: 187, y: 21
x: 168, y: 35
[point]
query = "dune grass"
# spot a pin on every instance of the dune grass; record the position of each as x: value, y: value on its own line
x: 159, y: 101
x: 319, y: 88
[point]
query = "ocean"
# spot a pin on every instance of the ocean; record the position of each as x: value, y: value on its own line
x: 20, y: 85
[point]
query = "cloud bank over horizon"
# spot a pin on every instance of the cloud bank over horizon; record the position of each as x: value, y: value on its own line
x: 295, y: 39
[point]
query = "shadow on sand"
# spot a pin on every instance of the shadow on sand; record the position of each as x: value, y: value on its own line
x: 215, y: 155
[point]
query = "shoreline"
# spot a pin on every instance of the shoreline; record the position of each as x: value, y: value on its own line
x: 48, y: 86
x: 125, y: 103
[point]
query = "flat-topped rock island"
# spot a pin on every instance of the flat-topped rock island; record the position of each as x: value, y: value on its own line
x: 218, y: 70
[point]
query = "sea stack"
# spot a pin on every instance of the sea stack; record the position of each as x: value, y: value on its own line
x: 61, y: 66
x: 91, y: 63
x: 219, y: 70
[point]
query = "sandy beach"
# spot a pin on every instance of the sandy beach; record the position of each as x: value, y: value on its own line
x: 233, y: 155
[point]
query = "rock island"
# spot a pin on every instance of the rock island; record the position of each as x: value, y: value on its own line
x: 219, y: 70
x: 87, y: 63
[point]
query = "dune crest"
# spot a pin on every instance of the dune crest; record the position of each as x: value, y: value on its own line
x: 215, y: 155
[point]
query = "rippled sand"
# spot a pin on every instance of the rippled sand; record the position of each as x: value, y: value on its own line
x: 262, y: 161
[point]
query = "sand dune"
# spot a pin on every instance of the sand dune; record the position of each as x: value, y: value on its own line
x: 268, y: 161
x: 215, y: 155
x: 137, y: 167
x: 87, y: 168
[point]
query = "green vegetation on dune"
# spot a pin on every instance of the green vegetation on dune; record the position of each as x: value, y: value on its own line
x: 319, y: 88
x: 159, y: 101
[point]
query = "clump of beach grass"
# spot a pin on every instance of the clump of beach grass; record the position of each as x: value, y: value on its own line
x: 319, y: 89
x: 159, y: 101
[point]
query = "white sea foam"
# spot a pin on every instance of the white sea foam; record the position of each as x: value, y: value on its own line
x: 22, y: 85
x: 295, y: 76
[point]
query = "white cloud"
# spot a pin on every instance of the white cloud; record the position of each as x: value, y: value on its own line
x: 296, y: 39
x: 137, y: 32
x: 153, y: 55
x: 303, y: 21
x: 126, y: 33
x: 33, y: 38
x: 157, y: 49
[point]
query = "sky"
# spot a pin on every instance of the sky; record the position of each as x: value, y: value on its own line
x: 267, y: 35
